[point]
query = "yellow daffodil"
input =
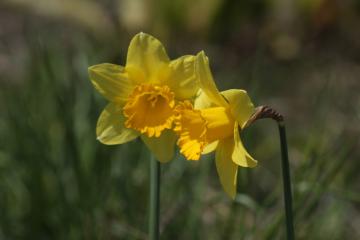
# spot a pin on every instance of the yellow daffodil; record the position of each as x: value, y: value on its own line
x: 213, y: 124
x: 143, y: 95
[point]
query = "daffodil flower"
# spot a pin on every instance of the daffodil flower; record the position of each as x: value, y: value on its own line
x: 143, y: 95
x: 213, y: 124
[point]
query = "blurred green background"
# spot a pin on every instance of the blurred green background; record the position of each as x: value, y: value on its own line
x: 301, y: 57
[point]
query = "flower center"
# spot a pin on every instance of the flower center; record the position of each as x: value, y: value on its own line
x: 197, y: 128
x: 150, y: 109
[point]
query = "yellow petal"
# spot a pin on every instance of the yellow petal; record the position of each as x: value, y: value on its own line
x: 162, y: 147
x: 207, y: 83
x: 203, y: 101
x: 147, y: 59
x: 110, y: 128
x: 111, y: 81
x: 240, y: 104
x: 182, y: 79
x: 240, y: 156
x: 227, y: 170
x: 210, y: 147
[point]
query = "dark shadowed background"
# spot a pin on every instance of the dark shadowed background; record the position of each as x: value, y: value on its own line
x: 57, y: 182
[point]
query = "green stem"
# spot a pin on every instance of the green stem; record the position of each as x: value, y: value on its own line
x: 286, y: 182
x: 154, y: 201
x: 263, y: 112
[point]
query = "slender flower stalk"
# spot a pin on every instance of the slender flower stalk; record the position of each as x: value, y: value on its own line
x: 154, y: 202
x: 286, y: 182
x: 267, y: 112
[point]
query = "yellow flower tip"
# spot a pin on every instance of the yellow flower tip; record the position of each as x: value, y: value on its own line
x: 142, y: 35
x: 103, y: 138
x: 203, y: 59
x: 190, y: 126
x: 92, y: 71
x: 202, y: 55
x: 150, y: 109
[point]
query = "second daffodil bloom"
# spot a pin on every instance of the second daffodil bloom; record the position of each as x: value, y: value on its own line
x: 143, y: 95
x: 213, y: 124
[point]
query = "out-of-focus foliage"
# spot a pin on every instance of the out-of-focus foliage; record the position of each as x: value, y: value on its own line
x: 57, y: 182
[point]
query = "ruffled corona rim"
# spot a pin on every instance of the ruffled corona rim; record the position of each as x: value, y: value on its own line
x: 197, y: 128
x: 191, y: 129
